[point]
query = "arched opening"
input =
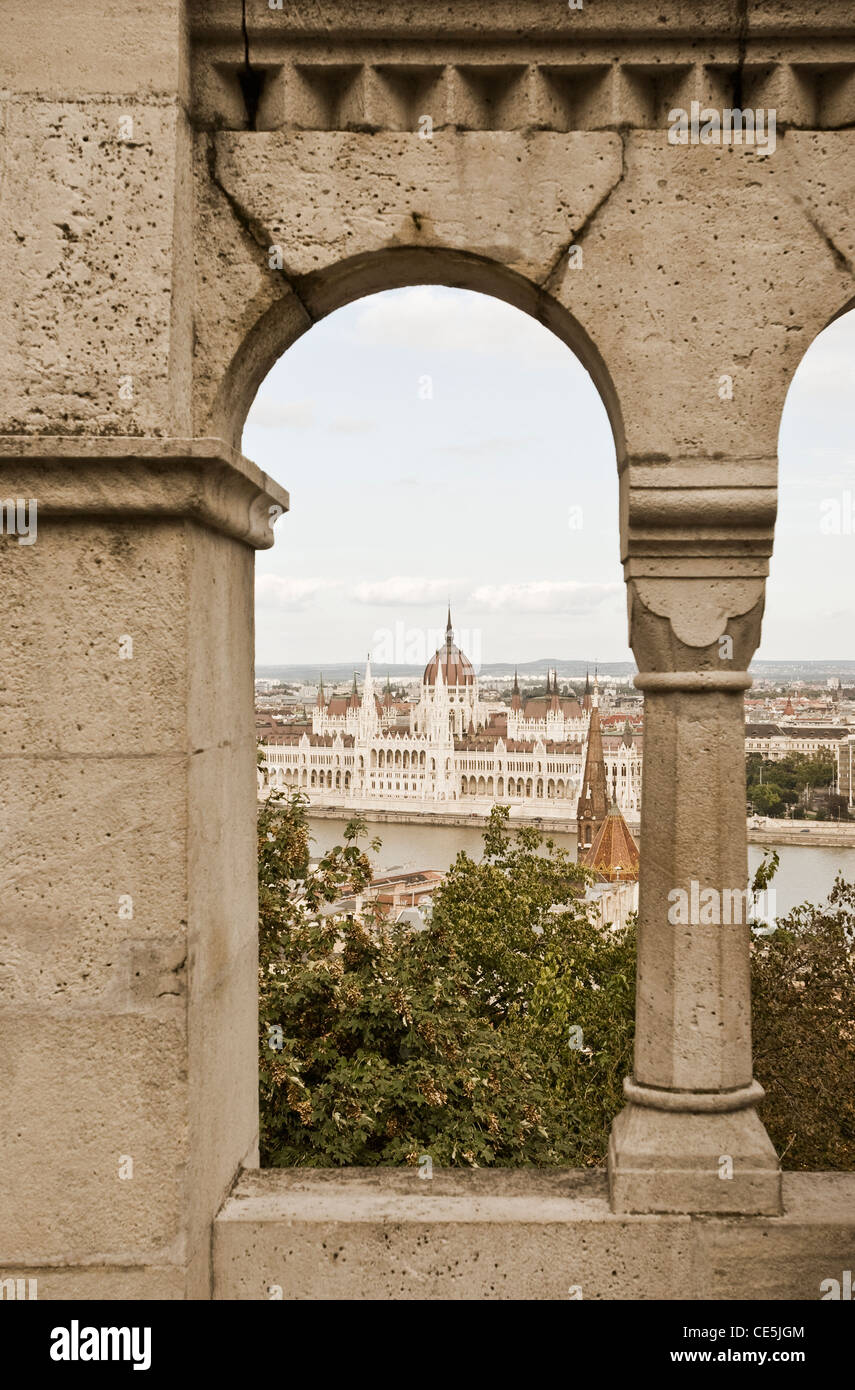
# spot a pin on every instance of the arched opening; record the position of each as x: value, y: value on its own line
x: 799, y: 754
x: 454, y: 504
x: 378, y: 272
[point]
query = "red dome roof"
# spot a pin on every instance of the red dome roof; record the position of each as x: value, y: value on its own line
x: 457, y: 669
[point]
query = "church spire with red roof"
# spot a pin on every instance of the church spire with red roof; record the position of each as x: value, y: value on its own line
x: 593, y: 802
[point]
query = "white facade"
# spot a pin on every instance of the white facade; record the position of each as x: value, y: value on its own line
x: 451, y: 753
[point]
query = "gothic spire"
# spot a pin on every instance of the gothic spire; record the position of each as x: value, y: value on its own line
x: 554, y: 705
x: 515, y: 696
x: 593, y: 802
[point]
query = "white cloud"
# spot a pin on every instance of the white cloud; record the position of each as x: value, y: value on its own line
x: 486, y: 449
x: 543, y: 596
x: 402, y: 590
x: 269, y: 414
x: 277, y: 591
x: 431, y: 318
x: 351, y: 425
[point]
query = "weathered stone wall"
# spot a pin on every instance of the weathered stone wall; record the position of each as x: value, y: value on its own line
x: 186, y: 188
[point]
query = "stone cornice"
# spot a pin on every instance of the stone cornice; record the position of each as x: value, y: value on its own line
x: 203, y: 480
x: 518, y: 65
x: 513, y: 19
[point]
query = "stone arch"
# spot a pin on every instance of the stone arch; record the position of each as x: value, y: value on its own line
x: 342, y: 282
x: 701, y: 480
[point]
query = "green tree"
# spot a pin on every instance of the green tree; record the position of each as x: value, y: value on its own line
x: 803, y: 996
x: 505, y: 912
x: 501, y: 1032
x: 374, y: 1047
x: 766, y: 799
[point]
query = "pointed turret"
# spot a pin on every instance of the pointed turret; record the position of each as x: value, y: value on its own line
x: 586, y: 698
x: 387, y: 698
x: 353, y: 702
x: 320, y: 700
x: 449, y: 630
x: 369, y: 710
x: 368, y: 686
x: 614, y: 854
x: 592, y: 807
x: 516, y: 702
x: 554, y: 706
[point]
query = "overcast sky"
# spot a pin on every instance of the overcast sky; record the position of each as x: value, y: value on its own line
x: 438, y: 443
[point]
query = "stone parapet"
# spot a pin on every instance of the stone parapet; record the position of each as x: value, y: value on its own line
x: 547, y: 1234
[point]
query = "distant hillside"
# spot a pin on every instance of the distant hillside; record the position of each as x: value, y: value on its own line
x: 337, y: 671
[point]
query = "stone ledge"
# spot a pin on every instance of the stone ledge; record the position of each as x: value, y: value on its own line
x: 527, y: 1234
x: 126, y: 476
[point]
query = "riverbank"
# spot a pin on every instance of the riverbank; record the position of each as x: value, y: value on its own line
x: 817, y: 834
x: 470, y: 820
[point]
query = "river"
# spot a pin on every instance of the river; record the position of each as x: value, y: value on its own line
x: 805, y: 874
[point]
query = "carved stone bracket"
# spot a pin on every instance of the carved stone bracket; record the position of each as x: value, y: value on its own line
x: 696, y: 536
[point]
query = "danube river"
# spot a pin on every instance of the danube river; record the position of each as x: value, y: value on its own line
x: 806, y: 872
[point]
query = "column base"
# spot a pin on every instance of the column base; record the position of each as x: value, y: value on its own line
x: 684, y: 1153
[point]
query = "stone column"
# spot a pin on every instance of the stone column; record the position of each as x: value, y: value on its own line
x: 128, y: 987
x: 696, y: 538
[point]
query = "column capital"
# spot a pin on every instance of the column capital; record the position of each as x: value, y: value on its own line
x: 203, y: 480
x: 696, y: 536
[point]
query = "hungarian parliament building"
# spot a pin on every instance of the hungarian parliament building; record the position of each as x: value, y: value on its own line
x: 448, y: 749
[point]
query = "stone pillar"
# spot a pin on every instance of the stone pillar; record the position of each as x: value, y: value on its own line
x: 696, y: 538
x: 128, y: 987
